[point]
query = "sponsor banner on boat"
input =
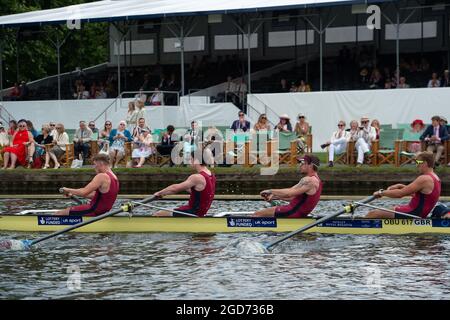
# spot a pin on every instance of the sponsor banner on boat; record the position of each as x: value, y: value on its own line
x: 251, y: 222
x: 352, y: 224
x: 58, y: 221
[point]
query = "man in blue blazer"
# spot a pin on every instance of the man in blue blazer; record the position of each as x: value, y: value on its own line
x: 241, y: 124
x: 434, y: 136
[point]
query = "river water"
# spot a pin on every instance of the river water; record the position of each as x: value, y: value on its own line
x: 215, y: 266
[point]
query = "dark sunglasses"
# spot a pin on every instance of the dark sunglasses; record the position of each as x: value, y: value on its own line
x: 341, y: 125
x: 108, y: 124
x: 364, y: 121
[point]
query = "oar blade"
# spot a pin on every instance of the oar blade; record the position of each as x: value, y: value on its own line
x: 17, y: 245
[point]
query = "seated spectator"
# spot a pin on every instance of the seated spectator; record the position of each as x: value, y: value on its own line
x: 366, y: 135
x: 376, y: 124
x: 301, y: 126
x: 157, y: 98
x: 417, y: 127
x: 445, y: 79
x: 241, y: 124
x: 293, y: 87
x: 53, y: 131
x: 144, y: 147
x: 388, y: 84
x: 60, y: 140
x: 434, y: 136
x: 354, y: 130
x: 40, y: 142
x: 103, y: 137
x: 191, y: 140
x: 283, y: 86
x: 16, y: 152
x: 434, y: 82
x: 81, y: 93
x: 31, y: 147
x: 81, y: 141
x: 337, y: 143
x: 23, y: 91
x: 141, y: 95
x: 303, y: 87
x: 402, y: 83
x: 240, y: 93
x: 284, y: 125
x: 230, y: 88
x: 93, y: 90
x: 213, y: 146
x: 137, y: 131
x: 364, y: 78
x: 4, y: 140
x: 262, y: 124
x: 100, y: 93
x: 92, y: 127
x: 168, y: 141
x: 443, y: 122
x: 31, y: 128
x: 117, y: 140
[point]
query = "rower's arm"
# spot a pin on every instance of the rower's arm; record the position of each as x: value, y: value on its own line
x: 192, y: 181
x: 89, y: 190
x: 290, y: 193
x: 415, y: 186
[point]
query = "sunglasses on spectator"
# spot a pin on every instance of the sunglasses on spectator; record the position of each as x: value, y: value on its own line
x: 22, y: 126
x: 108, y: 124
x: 122, y: 124
x: 241, y: 115
x: 58, y: 127
x: 91, y: 125
x: 264, y: 118
x: 364, y: 121
x: 52, y: 124
x: 341, y: 125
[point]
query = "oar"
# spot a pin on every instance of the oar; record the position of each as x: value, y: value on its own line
x: 26, y: 244
x: 347, y: 209
x: 74, y: 198
x: 389, y: 210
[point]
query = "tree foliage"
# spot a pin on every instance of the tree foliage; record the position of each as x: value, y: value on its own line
x: 29, y: 52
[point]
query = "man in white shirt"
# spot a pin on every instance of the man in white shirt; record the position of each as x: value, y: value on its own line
x: 434, y: 82
x: 141, y: 96
x: 337, y: 143
x: 366, y: 135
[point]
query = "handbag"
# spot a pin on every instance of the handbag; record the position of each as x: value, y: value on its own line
x: 105, y: 149
x: 77, y: 163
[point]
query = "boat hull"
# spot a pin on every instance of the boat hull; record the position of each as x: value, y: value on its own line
x: 144, y: 224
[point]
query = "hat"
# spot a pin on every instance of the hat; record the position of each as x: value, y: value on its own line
x: 418, y: 121
x: 444, y: 119
x: 310, y: 159
x: 364, y: 118
x: 144, y: 130
x: 284, y: 116
x: 301, y: 115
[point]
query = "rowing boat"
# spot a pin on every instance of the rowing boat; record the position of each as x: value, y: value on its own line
x: 143, y: 224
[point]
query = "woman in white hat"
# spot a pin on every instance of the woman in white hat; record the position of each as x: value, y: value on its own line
x: 301, y: 127
x: 284, y: 125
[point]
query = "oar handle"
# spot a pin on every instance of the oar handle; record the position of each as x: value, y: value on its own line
x: 74, y: 198
x: 348, y: 208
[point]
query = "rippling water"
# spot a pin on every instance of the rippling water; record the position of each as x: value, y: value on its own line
x: 188, y: 266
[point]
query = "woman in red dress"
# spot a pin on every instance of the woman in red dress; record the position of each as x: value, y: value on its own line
x: 17, y: 151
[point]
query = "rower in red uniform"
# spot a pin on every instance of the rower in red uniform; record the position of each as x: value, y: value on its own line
x: 425, y: 192
x: 303, y: 197
x: 102, y: 191
x: 201, y: 186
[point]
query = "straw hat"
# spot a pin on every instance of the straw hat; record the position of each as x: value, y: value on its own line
x: 285, y: 116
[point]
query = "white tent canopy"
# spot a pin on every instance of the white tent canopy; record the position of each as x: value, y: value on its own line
x: 110, y: 10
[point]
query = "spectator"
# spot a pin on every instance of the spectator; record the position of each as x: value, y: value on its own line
x: 417, y: 127
x: 103, y: 138
x: 191, y: 139
x: 82, y: 93
x: 131, y: 116
x: 240, y: 93
x: 162, y: 82
x: 364, y: 78
x: 93, y: 90
x: 167, y: 142
x: 100, y: 93
x: 41, y: 140
x: 283, y: 86
x: 173, y: 86
x: 15, y: 93
x: 337, y: 143
x: 434, y: 82
x: 301, y: 126
x: 16, y: 152
x: 366, y: 136
x: 92, y: 127
x: 303, y: 87
x: 60, y: 140
x: 293, y: 87
x: 376, y: 124
x: 388, y: 84
x: 81, y: 141
x: 213, y: 146
x: 12, y: 128
x: 445, y: 79
x: 31, y: 147
x: 434, y: 136
x: 4, y: 139
x: 30, y: 127
x: 23, y: 91
x: 284, y: 125
x: 230, y: 88
x: 443, y: 122
x: 53, y: 131
x: 241, y: 124
x: 141, y: 95
x: 402, y: 83
x: 157, y: 98
x: 144, y: 149
x: 117, y: 140
x: 376, y: 80
x: 353, y: 131
x: 137, y: 131
x: 262, y: 124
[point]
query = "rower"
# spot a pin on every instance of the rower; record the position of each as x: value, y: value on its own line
x: 425, y: 191
x: 303, y: 197
x: 201, y: 185
x: 102, y: 191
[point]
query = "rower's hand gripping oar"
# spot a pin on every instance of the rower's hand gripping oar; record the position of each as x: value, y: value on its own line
x: 74, y: 198
x: 26, y: 244
x: 347, y: 209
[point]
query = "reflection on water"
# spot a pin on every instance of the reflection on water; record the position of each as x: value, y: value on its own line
x: 189, y: 266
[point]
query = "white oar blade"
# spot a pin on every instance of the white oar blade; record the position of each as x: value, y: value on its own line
x: 17, y: 245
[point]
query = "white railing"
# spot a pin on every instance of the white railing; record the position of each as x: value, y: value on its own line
x: 5, y: 115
